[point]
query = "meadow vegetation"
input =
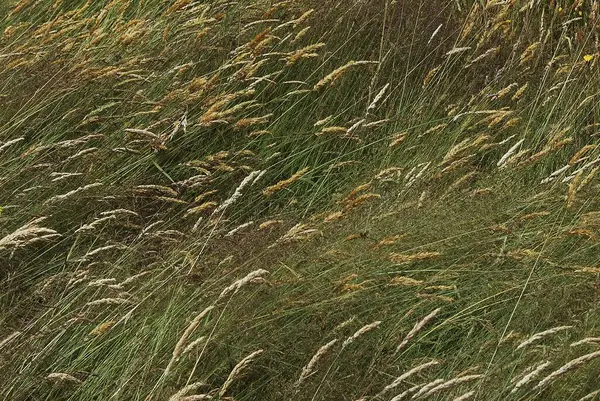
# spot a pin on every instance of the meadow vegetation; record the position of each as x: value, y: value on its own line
x: 299, y: 200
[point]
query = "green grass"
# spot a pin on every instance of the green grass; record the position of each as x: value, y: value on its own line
x: 131, y: 127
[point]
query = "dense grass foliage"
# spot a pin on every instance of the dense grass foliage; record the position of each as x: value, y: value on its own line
x: 299, y: 200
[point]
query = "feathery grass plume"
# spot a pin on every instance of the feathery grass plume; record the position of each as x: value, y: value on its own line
x: 333, y: 131
x: 588, y: 340
x: 191, y: 346
x: 573, y: 187
x: 373, y: 105
x: 299, y: 232
x: 59, y: 378
x: 59, y: 198
x: 237, y: 371
x: 27, y: 234
x: 180, y: 346
x: 519, y: 93
x: 305, y: 52
x: 181, y: 394
x: 285, y: 183
x: 538, y: 336
x: 238, y: 229
x: 416, y: 328
x: 528, y: 53
x: 108, y: 301
x: 201, y: 208
x: 359, y: 200
x: 465, y: 396
x: 7, y: 144
x: 9, y: 339
x: 256, y: 275
x: 102, y: 328
x: 330, y: 78
x: 400, y: 379
x: 401, y: 258
x: 423, y: 390
x: 360, y: 332
x: 528, y: 378
x: 237, y: 194
x: 390, y: 241
x: 590, y: 396
x: 406, y: 393
x: 405, y: 281
x: 571, y: 365
x: 429, y: 76
x: 269, y: 223
x: 310, y: 368
x: 397, y: 139
x: 451, y: 383
x: 578, y: 156
x: 509, y: 153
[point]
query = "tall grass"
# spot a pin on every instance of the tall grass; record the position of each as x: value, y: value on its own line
x: 311, y: 200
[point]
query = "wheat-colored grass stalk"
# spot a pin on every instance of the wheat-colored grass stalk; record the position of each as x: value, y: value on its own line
x: 360, y: 332
x: 416, y: 328
x: 400, y: 379
x: 451, y: 383
x: 310, y: 368
x: 531, y: 376
x: 181, y: 394
x: 285, y: 183
x: 465, y: 396
x: 330, y: 78
x: 58, y: 377
x: 237, y: 285
x: 571, y: 365
x: 7, y: 340
x: 238, y: 369
x: 538, y: 336
x: 181, y: 343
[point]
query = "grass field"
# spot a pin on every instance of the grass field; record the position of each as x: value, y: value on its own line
x: 299, y: 200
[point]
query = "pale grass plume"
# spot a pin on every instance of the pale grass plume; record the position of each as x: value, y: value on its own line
x: 531, y: 376
x: 416, y: 328
x: 360, y: 332
x: 299, y: 232
x: 238, y: 369
x: 591, y: 396
x: 7, y: 144
x: 400, y: 379
x: 425, y: 389
x: 569, y: 366
x: 191, y: 346
x: 465, y: 396
x: 373, y: 105
x: 310, y: 368
x: 509, y: 153
x: 27, y: 234
x: 237, y: 194
x: 588, y: 340
x: 181, y: 343
x: 60, y: 198
x: 58, y: 378
x: 7, y: 340
x: 451, y: 383
x: 256, y: 275
x: 538, y: 336
x: 408, y: 392
x: 181, y: 394
x: 108, y: 301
